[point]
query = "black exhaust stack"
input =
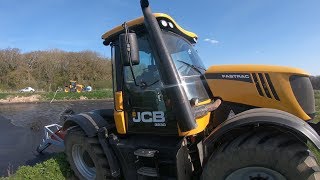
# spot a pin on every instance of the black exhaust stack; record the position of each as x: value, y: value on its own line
x: 168, y: 72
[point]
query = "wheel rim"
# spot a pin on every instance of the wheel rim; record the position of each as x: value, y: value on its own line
x: 83, y: 162
x: 255, y: 173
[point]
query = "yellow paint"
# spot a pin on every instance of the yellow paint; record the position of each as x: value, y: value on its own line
x: 247, y: 93
x: 255, y: 68
x: 202, y: 123
x: 140, y: 21
x: 187, y: 33
x: 204, y: 102
x: 119, y: 116
x: 120, y: 122
x: 118, y: 100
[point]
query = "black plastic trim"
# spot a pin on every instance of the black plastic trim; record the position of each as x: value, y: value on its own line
x: 107, y: 149
x: 255, y: 79
x: 183, y: 163
x: 119, y: 69
x: 264, y: 85
x: 274, y: 92
x: 123, y: 147
x: 92, y: 125
x: 222, y: 113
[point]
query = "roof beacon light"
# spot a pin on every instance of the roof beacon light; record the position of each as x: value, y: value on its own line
x: 170, y: 24
x: 164, y: 23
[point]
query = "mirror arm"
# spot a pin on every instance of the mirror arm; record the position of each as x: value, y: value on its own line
x: 124, y: 25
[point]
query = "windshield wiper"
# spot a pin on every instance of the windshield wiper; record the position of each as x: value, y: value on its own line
x: 197, y: 68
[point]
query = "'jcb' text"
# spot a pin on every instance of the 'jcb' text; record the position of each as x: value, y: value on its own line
x: 156, y: 117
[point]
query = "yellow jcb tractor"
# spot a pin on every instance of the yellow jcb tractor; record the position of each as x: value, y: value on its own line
x: 174, y: 119
x: 73, y: 87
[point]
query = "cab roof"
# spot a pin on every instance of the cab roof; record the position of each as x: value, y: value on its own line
x: 138, y: 23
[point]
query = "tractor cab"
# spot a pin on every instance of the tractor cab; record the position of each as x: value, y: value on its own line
x: 145, y: 84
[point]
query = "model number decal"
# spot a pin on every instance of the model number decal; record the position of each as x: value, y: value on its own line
x: 156, y: 117
x: 245, y: 77
x: 235, y: 76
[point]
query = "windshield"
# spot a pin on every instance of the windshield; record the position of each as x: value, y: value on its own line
x: 188, y: 64
x: 185, y: 59
x: 184, y: 56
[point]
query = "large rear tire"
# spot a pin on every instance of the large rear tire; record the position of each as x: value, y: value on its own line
x: 86, y: 156
x: 262, y: 156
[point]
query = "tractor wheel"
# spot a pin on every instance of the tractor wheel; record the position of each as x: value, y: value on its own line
x: 86, y: 156
x: 262, y: 156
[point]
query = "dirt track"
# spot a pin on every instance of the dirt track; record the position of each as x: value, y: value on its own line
x: 33, y: 98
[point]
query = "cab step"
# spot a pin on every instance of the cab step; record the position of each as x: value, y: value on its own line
x: 148, y: 153
x: 148, y: 171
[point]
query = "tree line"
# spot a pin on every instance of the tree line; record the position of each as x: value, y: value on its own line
x: 50, y: 69
x: 315, y: 81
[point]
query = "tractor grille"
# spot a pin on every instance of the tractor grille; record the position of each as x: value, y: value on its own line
x: 264, y: 85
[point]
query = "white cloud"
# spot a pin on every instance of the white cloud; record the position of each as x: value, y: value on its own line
x: 212, y: 41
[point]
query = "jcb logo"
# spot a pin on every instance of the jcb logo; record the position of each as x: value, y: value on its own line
x: 148, y: 117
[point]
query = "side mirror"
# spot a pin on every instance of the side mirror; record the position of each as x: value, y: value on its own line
x: 129, y: 49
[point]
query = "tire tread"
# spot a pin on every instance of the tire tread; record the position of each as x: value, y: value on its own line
x: 271, y: 149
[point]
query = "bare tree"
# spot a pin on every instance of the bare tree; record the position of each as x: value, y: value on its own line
x: 53, y: 68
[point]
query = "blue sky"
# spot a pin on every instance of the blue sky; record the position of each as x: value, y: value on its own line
x: 279, y: 32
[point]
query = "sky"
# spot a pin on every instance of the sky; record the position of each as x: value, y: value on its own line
x: 275, y: 32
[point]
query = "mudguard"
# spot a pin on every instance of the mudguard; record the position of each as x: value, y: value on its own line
x: 96, y: 123
x: 91, y: 121
x: 262, y: 117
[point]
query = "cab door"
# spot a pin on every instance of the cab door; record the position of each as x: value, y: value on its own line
x: 145, y: 99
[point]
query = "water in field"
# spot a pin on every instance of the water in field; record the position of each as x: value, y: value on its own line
x: 21, y: 130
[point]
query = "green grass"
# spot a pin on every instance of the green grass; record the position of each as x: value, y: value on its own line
x: 98, y: 94
x: 48, y: 96
x: 4, y: 95
x: 53, y: 168
x: 314, y: 150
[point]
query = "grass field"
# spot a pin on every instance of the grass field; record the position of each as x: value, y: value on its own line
x: 4, y: 95
x: 97, y: 94
x: 58, y: 168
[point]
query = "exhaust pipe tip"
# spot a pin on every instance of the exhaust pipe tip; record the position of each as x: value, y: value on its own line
x: 144, y: 3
